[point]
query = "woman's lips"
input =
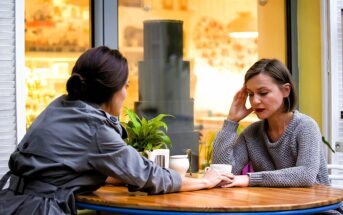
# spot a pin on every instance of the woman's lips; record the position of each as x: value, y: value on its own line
x: 259, y: 110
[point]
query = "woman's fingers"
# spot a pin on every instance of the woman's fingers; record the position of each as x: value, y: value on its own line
x: 240, y: 93
x: 228, y: 185
x: 238, y: 181
x: 238, y: 109
x: 225, y: 179
x: 228, y: 175
x: 219, y: 179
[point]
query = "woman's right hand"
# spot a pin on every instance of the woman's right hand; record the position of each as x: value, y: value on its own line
x: 215, y: 179
x: 238, y: 111
x: 212, y: 178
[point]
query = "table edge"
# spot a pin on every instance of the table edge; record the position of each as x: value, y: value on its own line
x: 149, y: 211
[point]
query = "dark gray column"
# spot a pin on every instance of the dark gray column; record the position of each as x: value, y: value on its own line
x: 105, y: 23
x: 164, y: 84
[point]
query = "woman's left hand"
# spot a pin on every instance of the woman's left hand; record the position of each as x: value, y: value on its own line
x: 215, y: 178
x: 114, y: 181
x: 238, y: 181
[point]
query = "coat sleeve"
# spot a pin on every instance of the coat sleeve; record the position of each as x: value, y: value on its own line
x: 115, y: 158
x: 229, y: 149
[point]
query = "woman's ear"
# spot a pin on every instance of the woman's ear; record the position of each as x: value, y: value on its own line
x: 286, y: 90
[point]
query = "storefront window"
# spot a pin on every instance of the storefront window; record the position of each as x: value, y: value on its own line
x: 56, y: 33
x: 188, y: 58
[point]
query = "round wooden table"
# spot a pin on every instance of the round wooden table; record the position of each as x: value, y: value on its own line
x: 259, y: 200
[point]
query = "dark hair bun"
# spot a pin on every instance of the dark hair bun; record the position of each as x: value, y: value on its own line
x: 76, y: 87
x: 97, y: 75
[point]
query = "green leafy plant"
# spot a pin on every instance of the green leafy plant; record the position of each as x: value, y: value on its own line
x: 146, y: 135
x: 327, y: 144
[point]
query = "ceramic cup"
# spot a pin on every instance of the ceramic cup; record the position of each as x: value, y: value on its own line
x: 179, y: 163
x: 222, y: 168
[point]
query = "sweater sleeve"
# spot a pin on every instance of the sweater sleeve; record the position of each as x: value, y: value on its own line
x: 228, y: 149
x: 115, y: 158
x: 306, y: 169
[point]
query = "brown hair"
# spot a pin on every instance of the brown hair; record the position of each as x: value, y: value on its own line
x: 97, y: 75
x: 279, y: 73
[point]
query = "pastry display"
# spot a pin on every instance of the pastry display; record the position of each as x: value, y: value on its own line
x: 213, y: 44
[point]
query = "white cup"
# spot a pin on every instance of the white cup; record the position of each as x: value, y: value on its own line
x: 179, y: 163
x: 222, y: 168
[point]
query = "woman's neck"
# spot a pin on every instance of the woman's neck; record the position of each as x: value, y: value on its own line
x: 108, y: 107
x: 277, y: 125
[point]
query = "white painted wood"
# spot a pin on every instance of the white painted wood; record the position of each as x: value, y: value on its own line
x: 333, y: 78
x: 12, y: 120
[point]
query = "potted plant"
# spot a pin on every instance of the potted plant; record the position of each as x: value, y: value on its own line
x: 147, y: 135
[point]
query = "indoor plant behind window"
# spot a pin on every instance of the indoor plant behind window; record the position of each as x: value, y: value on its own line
x: 146, y: 135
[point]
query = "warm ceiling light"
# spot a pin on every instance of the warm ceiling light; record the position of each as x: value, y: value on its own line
x: 244, y: 26
x: 243, y: 34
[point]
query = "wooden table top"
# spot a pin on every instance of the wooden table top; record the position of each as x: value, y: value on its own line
x: 245, y: 199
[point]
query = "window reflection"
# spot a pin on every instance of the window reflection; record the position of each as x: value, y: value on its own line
x: 56, y: 33
x: 218, y: 58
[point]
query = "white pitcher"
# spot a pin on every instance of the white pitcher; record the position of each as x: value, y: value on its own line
x: 179, y: 163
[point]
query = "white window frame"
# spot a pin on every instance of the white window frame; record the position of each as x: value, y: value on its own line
x: 331, y: 47
x: 105, y: 23
x: 20, y: 68
x: 12, y: 132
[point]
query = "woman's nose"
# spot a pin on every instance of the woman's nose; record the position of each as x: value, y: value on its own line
x: 256, y: 100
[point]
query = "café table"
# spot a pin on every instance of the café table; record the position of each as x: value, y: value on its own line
x: 247, y: 200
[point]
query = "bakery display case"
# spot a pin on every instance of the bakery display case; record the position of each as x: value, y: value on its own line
x: 56, y: 33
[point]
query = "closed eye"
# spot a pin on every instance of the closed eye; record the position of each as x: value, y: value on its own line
x: 263, y: 93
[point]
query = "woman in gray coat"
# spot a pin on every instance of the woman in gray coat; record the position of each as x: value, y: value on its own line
x: 76, y: 143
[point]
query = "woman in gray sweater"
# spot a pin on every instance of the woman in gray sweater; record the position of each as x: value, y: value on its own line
x: 77, y: 143
x: 284, y: 147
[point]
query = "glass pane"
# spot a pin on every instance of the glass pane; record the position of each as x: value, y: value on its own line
x: 188, y: 58
x: 56, y: 33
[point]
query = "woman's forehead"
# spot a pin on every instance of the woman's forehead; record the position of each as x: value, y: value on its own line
x: 260, y: 81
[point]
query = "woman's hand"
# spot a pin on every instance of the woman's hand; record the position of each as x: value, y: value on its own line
x: 216, y: 179
x: 238, y: 181
x: 238, y: 111
x: 212, y: 178
x: 114, y: 181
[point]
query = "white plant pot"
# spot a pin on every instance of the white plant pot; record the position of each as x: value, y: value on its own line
x: 179, y: 163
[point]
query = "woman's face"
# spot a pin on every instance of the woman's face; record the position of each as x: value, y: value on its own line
x: 118, y: 100
x: 265, y: 96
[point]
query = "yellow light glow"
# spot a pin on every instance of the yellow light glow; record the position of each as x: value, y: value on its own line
x: 243, y: 34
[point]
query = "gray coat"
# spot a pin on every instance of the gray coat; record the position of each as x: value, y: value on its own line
x: 71, y: 148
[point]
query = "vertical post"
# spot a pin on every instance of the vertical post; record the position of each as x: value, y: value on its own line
x: 325, y: 35
x: 104, y: 23
x: 292, y: 40
x: 19, y: 69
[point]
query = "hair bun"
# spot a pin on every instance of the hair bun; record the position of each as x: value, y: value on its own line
x: 76, y: 87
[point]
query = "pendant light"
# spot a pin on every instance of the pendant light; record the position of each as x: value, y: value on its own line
x: 244, y: 26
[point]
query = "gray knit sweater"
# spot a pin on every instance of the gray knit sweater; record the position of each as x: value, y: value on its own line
x: 295, y: 160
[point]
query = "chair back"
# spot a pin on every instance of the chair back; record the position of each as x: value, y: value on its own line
x: 336, y: 175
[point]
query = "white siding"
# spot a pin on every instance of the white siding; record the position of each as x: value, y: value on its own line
x: 336, y: 79
x: 8, y: 78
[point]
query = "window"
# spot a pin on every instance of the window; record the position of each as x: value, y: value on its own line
x: 56, y: 33
x: 188, y: 58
